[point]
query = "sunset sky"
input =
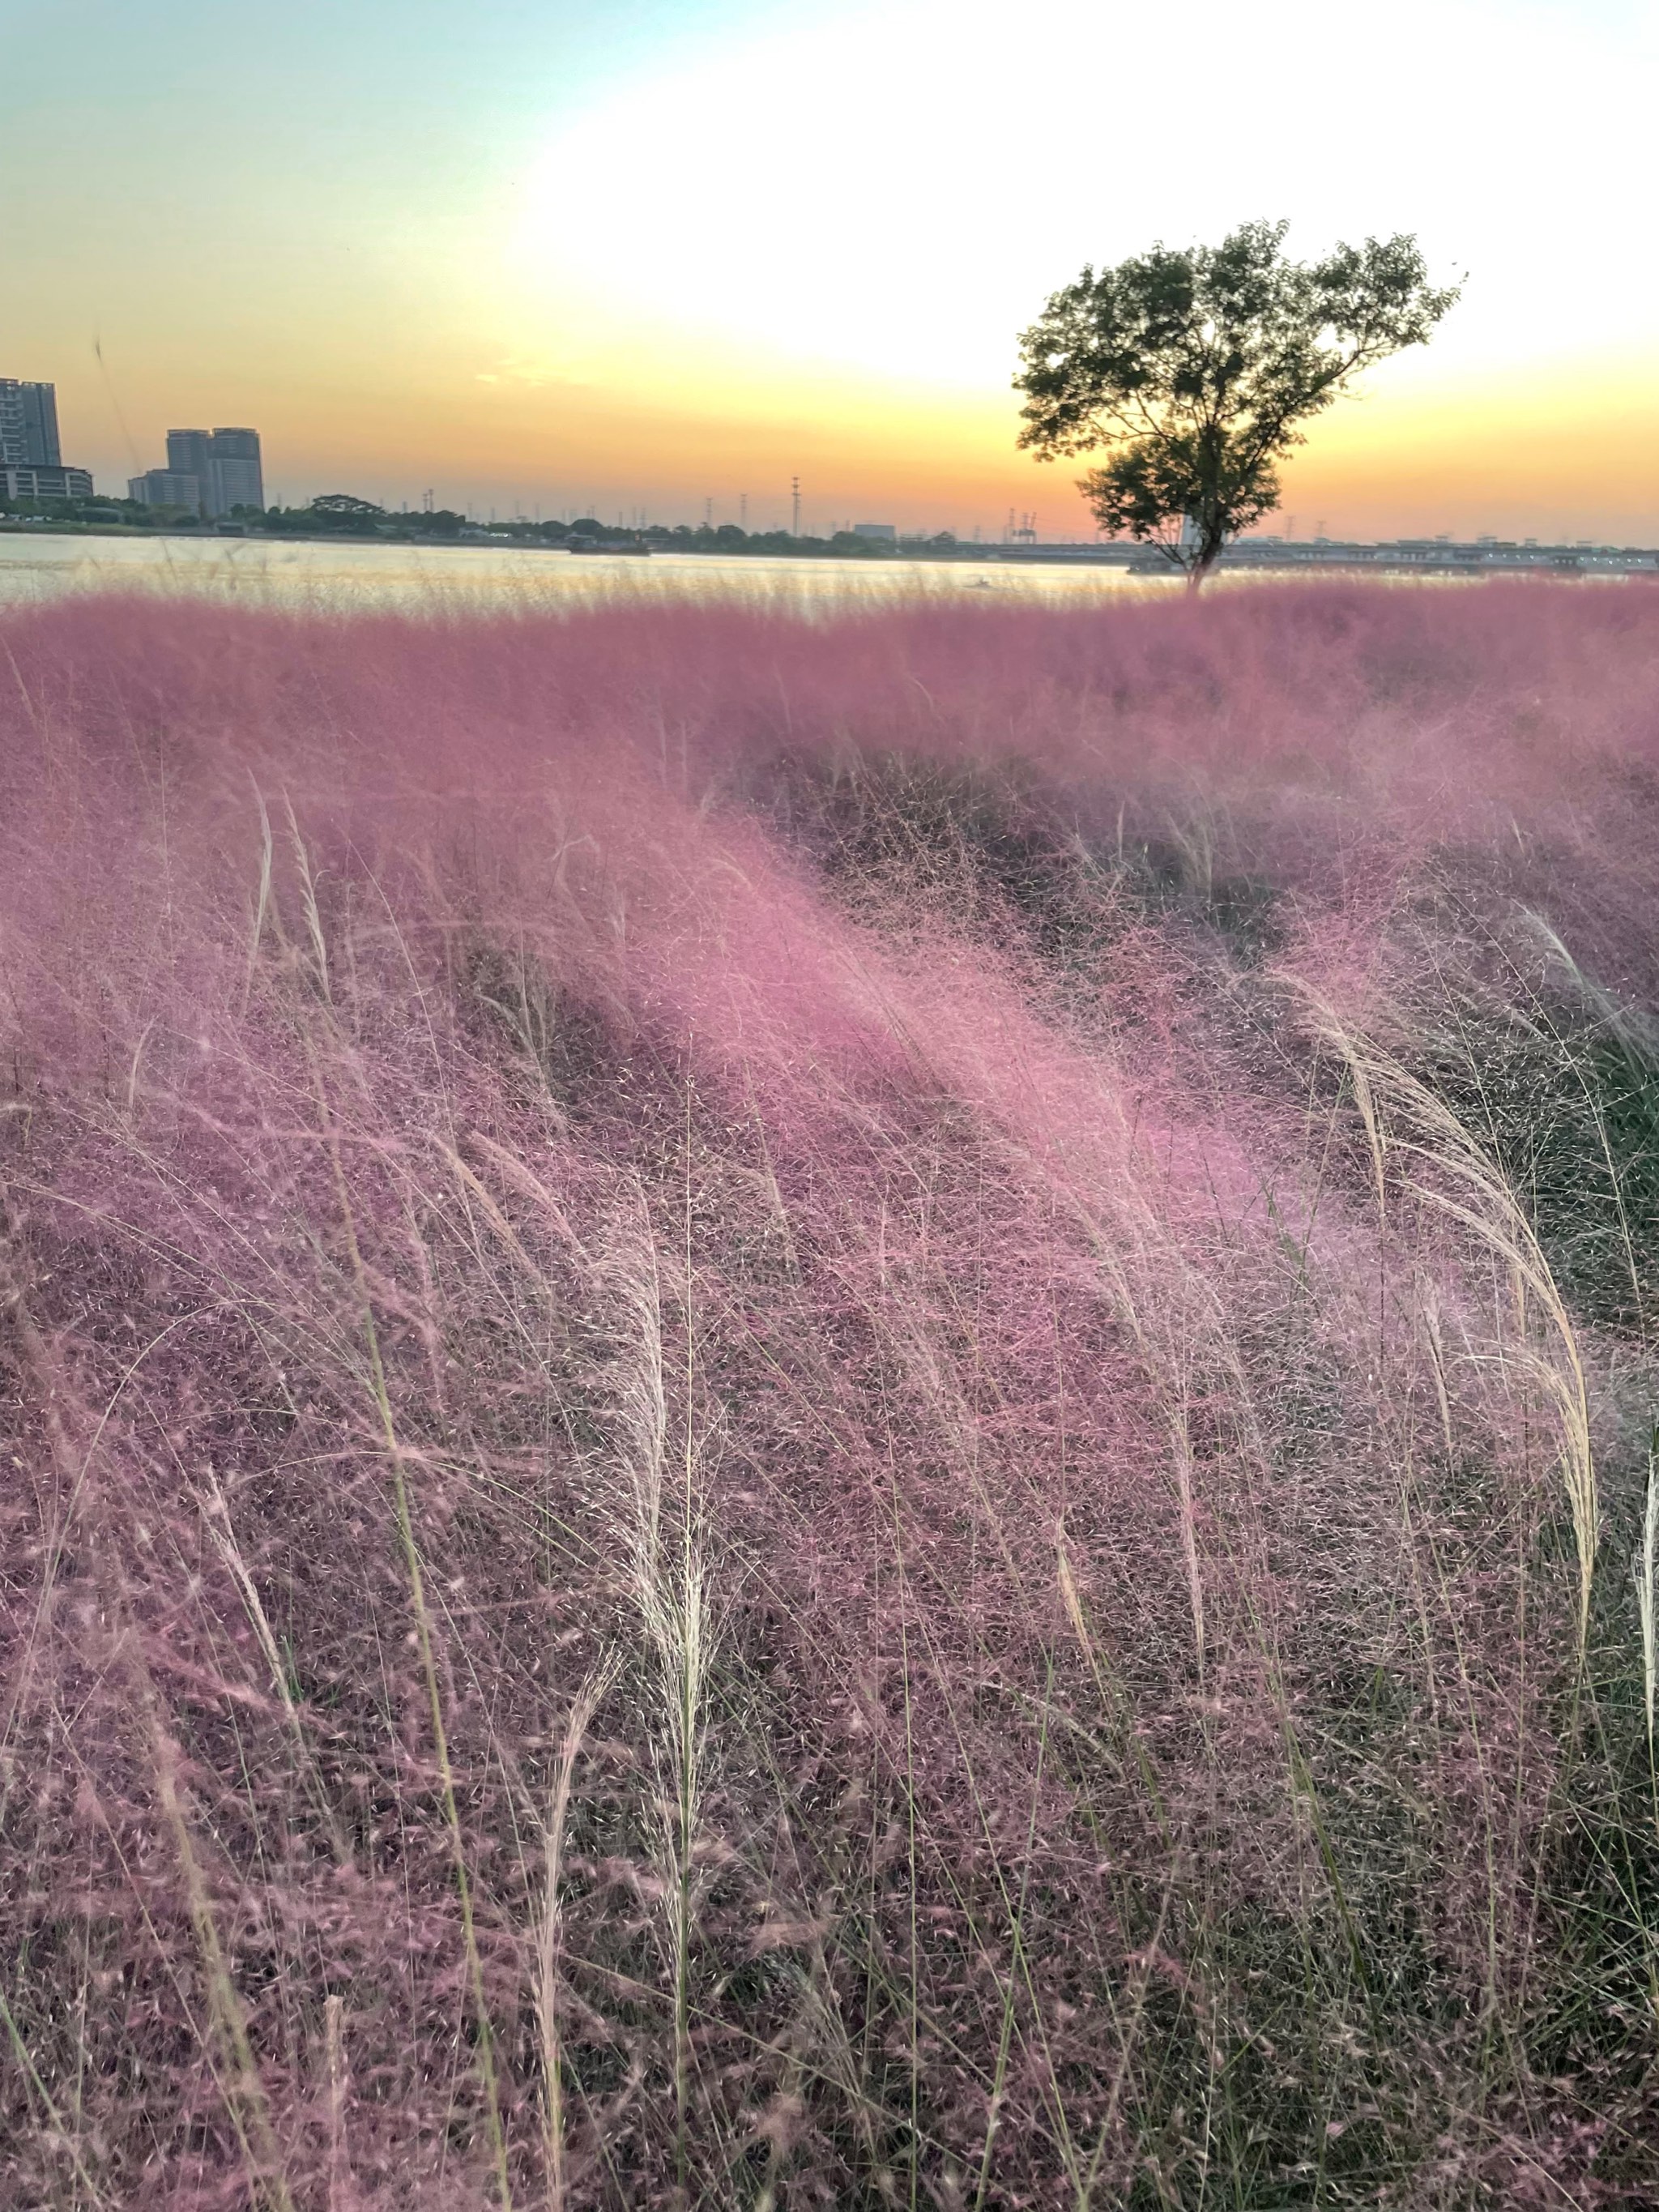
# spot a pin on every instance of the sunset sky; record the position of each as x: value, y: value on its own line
x: 612, y: 255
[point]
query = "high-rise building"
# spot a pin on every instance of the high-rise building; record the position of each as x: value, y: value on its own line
x: 235, y: 475
x: 28, y: 424
x: 187, y: 456
x: 225, y: 463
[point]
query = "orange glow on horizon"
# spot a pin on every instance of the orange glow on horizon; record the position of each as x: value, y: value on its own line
x: 1563, y: 455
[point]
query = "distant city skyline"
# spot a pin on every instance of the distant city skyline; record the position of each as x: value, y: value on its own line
x: 215, y: 471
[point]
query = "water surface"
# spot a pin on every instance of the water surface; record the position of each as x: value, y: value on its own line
x: 342, y: 576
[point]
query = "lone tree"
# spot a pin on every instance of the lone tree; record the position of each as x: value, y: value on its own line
x: 1193, y: 369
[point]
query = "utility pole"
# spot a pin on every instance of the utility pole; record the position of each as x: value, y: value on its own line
x: 743, y: 511
x: 794, y: 498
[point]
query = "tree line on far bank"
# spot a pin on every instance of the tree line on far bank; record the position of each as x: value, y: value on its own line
x: 342, y: 514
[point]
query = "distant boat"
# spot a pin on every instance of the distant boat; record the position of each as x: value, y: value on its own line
x: 634, y: 547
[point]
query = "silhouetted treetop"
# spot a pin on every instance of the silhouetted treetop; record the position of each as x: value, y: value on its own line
x: 1194, y: 367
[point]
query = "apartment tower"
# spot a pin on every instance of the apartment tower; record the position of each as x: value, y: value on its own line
x: 28, y: 425
x: 212, y: 471
x: 235, y: 475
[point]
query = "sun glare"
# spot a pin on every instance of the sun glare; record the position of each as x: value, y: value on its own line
x: 892, y: 193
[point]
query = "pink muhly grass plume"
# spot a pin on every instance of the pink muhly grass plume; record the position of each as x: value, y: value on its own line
x: 842, y: 1410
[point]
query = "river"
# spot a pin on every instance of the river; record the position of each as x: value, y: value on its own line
x: 340, y: 576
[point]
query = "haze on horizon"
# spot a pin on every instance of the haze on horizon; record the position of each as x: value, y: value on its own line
x: 610, y: 255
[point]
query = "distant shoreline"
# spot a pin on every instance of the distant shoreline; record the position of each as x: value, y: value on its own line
x: 1403, y: 557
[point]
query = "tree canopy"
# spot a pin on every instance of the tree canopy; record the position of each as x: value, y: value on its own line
x: 1192, y: 368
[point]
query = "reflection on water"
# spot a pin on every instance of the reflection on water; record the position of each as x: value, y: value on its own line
x: 458, y: 578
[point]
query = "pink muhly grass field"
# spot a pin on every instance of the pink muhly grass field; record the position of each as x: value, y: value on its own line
x: 844, y: 1413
